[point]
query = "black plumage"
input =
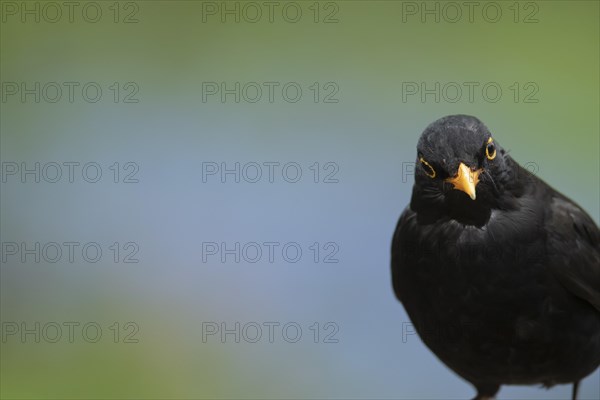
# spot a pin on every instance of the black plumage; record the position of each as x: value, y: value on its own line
x: 498, y: 272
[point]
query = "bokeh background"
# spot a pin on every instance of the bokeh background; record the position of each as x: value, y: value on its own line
x: 369, y: 52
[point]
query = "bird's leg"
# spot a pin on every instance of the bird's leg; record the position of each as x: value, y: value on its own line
x: 486, y: 391
x: 575, y: 390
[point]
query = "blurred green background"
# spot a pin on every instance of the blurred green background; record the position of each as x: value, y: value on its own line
x: 165, y: 55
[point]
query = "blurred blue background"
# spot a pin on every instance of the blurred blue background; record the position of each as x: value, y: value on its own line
x: 361, y: 67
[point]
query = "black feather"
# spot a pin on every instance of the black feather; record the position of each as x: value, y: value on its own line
x: 504, y: 289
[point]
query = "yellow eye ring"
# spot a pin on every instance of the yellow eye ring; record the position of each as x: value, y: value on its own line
x: 490, y: 149
x: 430, y: 174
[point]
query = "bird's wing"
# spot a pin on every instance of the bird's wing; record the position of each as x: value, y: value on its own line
x: 403, y: 242
x: 574, y: 246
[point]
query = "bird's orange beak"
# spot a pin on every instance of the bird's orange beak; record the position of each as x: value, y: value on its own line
x: 465, y: 180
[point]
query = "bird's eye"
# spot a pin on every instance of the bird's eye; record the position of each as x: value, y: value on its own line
x: 429, y: 171
x: 490, y: 149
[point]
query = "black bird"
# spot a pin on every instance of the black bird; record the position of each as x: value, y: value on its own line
x: 498, y: 272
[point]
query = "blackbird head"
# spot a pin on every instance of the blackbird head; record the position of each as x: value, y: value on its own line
x: 461, y: 171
